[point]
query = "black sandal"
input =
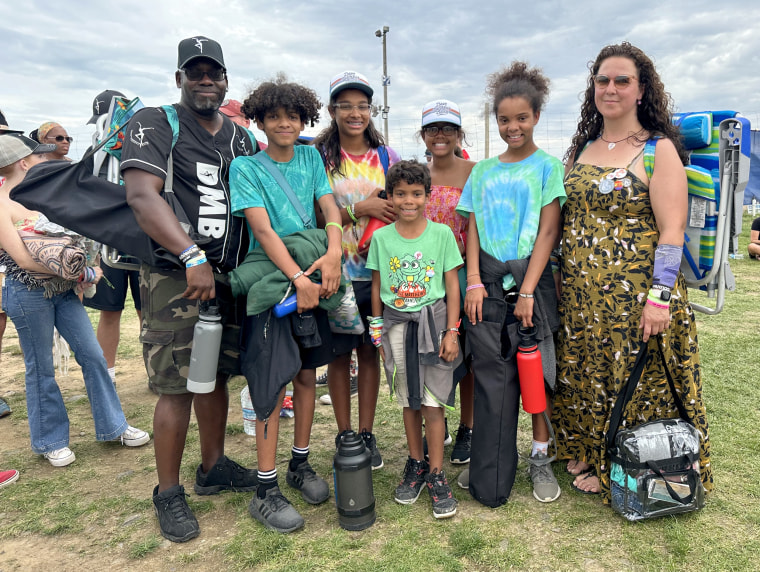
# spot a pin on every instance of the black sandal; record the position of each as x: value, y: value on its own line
x: 591, y: 473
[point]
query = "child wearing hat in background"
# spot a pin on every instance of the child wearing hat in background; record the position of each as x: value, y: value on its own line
x: 442, y: 132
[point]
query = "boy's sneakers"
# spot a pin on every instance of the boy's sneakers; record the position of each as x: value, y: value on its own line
x: 545, y: 486
x: 176, y: 520
x: 408, y: 490
x: 275, y: 511
x: 133, y: 437
x: 314, y: 489
x: 5, y: 409
x: 461, y: 452
x: 61, y: 457
x: 225, y: 475
x: 444, y: 503
x: 371, y: 444
x: 446, y: 438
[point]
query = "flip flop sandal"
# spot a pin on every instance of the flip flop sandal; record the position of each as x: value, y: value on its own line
x: 580, y: 490
x: 569, y: 472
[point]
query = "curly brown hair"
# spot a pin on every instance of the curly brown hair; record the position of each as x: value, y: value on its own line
x: 518, y: 80
x: 654, y: 113
x: 279, y: 92
x: 411, y: 172
x: 328, y: 142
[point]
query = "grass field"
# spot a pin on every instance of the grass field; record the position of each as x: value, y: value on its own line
x: 97, y: 513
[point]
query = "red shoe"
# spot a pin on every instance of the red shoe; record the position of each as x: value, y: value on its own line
x: 8, y: 477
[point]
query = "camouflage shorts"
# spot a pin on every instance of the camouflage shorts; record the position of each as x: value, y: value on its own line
x: 168, y: 321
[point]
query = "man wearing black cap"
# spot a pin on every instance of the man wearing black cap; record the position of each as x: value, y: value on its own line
x: 198, y: 166
x: 112, y: 292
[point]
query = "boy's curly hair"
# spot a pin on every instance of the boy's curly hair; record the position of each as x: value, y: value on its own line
x: 518, y: 80
x: 411, y: 172
x: 279, y: 92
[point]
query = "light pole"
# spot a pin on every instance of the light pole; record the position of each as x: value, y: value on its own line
x: 386, y: 81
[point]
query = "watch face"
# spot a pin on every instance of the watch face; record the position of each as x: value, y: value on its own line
x: 664, y: 295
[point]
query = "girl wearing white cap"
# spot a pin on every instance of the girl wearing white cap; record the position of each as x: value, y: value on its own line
x: 356, y: 161
x: 442, y: 132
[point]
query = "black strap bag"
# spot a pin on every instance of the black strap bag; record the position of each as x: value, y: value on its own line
x: 654, y: 468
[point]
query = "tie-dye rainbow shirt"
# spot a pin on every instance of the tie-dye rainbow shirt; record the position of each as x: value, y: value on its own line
x: 363, y: 174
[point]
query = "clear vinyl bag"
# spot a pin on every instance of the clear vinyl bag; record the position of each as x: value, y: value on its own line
x: 654, y: 467
x: 655, y: 470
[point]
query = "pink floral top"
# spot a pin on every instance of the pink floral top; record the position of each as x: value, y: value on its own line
x: 441, y: 208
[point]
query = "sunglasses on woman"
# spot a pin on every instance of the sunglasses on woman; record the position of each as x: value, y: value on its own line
x: 61, y: 138
x: 620, y: 81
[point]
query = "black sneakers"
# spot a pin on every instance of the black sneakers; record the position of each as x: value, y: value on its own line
x: 410, y: 487
x: 444, y: 503
x: 275, y: 512
x: 175, y: 518
x: 314, y: 489
x: 371, y: 443
x: 226, y: 475
x: 461, y: 452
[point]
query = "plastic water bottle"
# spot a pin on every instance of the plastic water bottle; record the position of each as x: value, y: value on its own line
x: 249, y: 414
x: 287, y: 306
x: 204, y: 357
x: 530, y: 371
x: 352, y: 476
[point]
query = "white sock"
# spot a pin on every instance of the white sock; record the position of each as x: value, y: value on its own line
x: 112, y: 374
x: 539, y: 447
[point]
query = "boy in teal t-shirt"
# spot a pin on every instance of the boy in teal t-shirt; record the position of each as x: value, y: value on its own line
x: 415, y: 302
x: 281, y: 110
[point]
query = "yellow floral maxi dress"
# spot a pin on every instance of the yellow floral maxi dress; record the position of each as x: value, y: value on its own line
x: 608, y: 243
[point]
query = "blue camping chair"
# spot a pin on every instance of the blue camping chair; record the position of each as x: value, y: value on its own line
x: 719, y: 145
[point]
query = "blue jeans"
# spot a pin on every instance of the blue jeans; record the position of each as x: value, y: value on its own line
x: 34, y: 317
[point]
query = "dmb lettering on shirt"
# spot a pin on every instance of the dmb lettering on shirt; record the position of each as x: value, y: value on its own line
x: 212, y: 202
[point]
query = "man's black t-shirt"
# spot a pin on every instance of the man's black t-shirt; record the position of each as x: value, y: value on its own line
x: 201, y: 170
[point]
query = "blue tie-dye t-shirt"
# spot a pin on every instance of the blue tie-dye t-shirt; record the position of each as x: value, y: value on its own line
x: 507, y: 199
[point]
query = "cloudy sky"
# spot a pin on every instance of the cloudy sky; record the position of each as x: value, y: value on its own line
x: 57, y: 56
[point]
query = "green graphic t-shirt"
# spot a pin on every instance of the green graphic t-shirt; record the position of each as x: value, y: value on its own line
x: 411, y: 270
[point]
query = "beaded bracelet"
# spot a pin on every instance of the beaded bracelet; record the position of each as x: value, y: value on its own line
x: 473, y: 287
x: 335, y: 224
x: 350, y: 211
x: 525, y: 295
x: 296, y: 276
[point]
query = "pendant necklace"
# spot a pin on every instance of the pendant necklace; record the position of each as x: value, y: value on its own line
x: 611, y: 144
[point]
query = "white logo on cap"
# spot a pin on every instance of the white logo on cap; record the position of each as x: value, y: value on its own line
x: 97, y: 106
x: 139, y: 137
x: 199, y: 43
x: 350, y: 76
x: 441, y: 108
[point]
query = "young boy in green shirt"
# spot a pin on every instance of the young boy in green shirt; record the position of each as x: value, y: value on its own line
x: 415, y: 302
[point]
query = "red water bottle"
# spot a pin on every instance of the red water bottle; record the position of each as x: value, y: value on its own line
x: 372, y: 226
x: 530, y: 371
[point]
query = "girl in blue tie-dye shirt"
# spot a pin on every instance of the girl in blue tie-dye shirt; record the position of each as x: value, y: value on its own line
x: 513, y: 202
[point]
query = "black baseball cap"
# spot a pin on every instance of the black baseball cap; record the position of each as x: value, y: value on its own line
x: 101, y: 103
x: 4, y: 125
x: 199, y: 47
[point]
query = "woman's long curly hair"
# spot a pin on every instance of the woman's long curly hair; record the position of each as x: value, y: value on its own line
x: 654, y: 113
x: 328, y: 142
